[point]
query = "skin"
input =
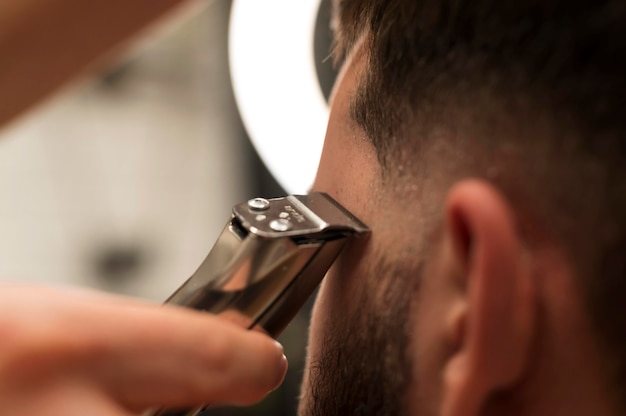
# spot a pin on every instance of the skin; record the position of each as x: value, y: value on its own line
x: 71, y: 352
x: 44, y: 43
x: 466, y: 318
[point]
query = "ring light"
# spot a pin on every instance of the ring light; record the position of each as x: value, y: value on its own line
x: 275, y: 85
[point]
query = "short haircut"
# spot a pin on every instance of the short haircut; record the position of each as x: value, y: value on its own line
x: 530, y: 95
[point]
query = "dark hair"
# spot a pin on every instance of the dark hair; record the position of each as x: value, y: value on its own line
x: 529, y: 94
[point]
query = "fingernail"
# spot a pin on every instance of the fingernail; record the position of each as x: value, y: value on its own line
x: 279, y: 346
x: 282, y: 365
x: 282, y: 370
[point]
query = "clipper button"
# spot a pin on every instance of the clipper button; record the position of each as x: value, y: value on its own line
x: 280, y: 225
x: 259, y: 204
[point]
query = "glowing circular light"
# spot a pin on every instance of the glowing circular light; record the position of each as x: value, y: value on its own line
x: 275, y: 83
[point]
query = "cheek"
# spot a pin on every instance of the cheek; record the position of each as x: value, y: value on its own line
x: 352, y: 285
x: 341, y: 295
x: 342, y: 286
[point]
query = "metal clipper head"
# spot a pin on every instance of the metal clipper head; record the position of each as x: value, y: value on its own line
x: 267, y: 261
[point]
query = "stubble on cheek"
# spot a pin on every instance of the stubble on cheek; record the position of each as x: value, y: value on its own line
x: 361, y: 365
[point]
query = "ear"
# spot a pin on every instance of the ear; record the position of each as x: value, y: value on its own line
x: 492, y: 323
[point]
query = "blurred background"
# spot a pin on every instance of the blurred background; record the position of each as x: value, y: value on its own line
x: 122, y: 181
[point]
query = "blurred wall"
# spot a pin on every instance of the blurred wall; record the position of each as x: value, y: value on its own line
x: 124, y: 181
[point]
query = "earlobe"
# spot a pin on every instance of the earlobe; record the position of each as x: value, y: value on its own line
x: 492, y: 327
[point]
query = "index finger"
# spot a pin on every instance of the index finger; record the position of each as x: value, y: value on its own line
x: 147, y: 355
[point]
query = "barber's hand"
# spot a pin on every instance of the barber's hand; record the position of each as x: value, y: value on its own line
x: 76, y: 353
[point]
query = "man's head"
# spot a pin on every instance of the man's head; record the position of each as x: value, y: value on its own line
x: 483, y: 143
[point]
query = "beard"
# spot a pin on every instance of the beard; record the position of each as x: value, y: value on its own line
x: 363, y: 367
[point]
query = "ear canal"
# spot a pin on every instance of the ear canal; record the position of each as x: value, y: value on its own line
x: 462, y: 236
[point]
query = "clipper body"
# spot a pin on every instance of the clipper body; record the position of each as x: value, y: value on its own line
x: 267, y: 261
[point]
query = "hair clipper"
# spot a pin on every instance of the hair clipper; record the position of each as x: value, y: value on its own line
x: 267, y: 261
